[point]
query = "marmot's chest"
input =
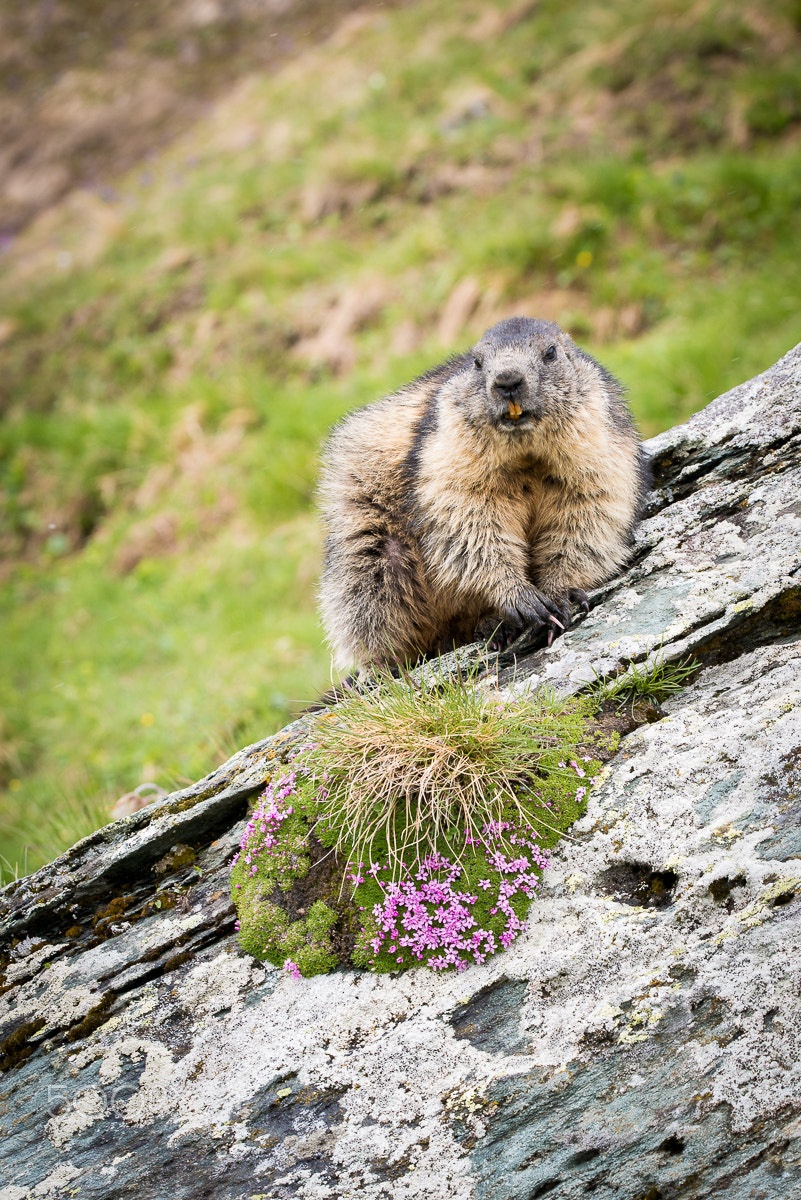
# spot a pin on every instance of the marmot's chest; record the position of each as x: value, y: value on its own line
x: 529, y: 502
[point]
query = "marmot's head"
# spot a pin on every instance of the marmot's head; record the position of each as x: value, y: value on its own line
x: 527, y: 374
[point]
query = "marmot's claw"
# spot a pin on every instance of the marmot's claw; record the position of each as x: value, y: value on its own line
x: 496, y: 632
x: 577, y: 596
x: 552, y: 632
x: 532, y: 612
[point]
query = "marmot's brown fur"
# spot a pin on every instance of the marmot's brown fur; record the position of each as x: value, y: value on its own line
x: 490, y: 492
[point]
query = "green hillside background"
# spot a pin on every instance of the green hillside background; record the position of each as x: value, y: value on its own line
x: 311, y: 228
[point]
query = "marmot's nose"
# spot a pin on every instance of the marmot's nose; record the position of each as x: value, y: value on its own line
x: 507, y: 384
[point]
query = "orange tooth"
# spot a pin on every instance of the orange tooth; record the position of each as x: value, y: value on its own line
x: 515, y: 410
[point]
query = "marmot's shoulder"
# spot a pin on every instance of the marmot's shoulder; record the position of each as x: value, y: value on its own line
x: 391, y: 424
x: 622, y: 424
x: 433, y: 379
x: 409, y: 396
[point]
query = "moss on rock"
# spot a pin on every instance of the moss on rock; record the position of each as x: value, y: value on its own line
x: 310, y: 896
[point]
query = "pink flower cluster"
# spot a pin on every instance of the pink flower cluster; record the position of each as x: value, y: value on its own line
x: 427, y: 913
x: 425, y: 917
x: 266, y: 821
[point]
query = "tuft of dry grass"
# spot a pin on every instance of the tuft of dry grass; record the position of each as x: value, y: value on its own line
x: 410, y: 766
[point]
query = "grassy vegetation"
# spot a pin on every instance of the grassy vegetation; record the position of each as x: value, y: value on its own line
x: 648, y: 683
x: 410, y: 766
x: 171, y: 358
x: 414, y: 827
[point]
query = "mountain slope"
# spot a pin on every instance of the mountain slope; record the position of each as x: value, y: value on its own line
x: 175, y: 342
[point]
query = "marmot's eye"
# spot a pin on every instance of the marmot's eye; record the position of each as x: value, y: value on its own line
x: 478, y: 362
x: 550, y: 354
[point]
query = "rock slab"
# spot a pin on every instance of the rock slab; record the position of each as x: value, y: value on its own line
x: 641, y: 1041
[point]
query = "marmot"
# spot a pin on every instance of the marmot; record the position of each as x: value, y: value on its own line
x: 489, y: 494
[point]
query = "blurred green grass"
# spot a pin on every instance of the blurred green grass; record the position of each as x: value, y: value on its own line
x: 172, y: 359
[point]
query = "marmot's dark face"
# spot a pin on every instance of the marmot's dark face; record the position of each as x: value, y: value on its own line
x: 523, y: 376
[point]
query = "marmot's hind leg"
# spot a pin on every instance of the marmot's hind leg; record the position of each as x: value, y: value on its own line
x: 382, y: 612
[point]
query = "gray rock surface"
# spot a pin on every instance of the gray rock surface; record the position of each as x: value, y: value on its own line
x: 641, y: 1041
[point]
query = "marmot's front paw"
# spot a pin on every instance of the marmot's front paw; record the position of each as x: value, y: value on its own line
x: 495, y: 632
x: 577, y: 596
x: 563, y: 604
x: 532, y: 608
